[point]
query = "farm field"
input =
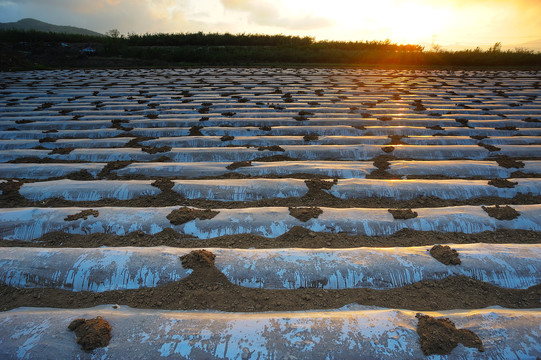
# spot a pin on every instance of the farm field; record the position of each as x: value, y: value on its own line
x: 267, y: 213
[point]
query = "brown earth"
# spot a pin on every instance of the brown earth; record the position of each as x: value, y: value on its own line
x: 403, y: 214
x: 507, y: 162
x: 185, y: 214
x: 502, y: 212
x: 207, y: 288
x: 440, y: 336
x: 296, y: 237
x: 92, y: 333
x: 238, y: 164
x: 111, y: 166
x: 502, y: 183
x: 82, y: 215
x: 305, y: 214
x: 155, y: 149
x: 61, y: 151
x: 445, y: 255
x: 490, y: 148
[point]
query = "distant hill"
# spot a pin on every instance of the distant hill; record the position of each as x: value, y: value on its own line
x: 33, y: 24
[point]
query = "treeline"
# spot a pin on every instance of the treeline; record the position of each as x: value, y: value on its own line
x: 203, y: 39
x: 253, y: 49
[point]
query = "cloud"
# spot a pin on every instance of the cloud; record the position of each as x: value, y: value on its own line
x: 268, y: 14
x: 101, y: 15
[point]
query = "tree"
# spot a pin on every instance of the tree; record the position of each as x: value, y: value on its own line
x: 114, y: 33
x: 496, y: 48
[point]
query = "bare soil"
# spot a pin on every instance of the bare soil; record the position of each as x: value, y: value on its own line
x: 82, y: 215
x: 440, y: 336
x: 403, y: 214
x: 502, y: 183
x: 155, y: 149
x: 92, y: 333
x: 185, y: 214
x: 507, y: 162
x: 61, y: 151
x: 305, y: 214
x: 502, y: 212
x: 296, y: 237
x: 445, y: 255
x: 207, y: 288
x: 238, y: 164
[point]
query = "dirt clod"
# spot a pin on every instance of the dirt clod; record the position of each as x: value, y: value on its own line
x: 227, y: 138
x: 311, y: 137
x: 388, y: 149
x: 445, y: 255
x: 82, y: 215
x: 92, y: 333
x: 113, y: 165
x: 490, y: 148
x: 440, y: 336
x: 155, y: 149
x: 197, y: 259
x: 238, y: 164
x: 501, y: 212
x: 271, y: 148
x: 185, y: 214
x: 403, y: 214
x: 305, y: 213
x: 507, y: 162
x: 502, y: 183
x: 61, y: 151
x: 195, y: 131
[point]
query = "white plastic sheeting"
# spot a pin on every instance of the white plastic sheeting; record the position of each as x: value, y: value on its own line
x: 240, y: 190
x: 455, y: 189
x: 303, y: 152
x: 257, y: 189
x: 507, y: 266
x: 454, y: 168
x: 31, y: 223
x: 88, y: 190
x: 342, y: 169
x: 45, y: 171
x: 352, y: 332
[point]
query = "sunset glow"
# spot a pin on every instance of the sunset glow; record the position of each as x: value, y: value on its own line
x: 450, y: 23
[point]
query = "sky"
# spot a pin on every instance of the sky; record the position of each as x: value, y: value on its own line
x: 452, y: 24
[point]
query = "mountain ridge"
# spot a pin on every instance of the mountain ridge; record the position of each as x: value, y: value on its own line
x: 29, y: 24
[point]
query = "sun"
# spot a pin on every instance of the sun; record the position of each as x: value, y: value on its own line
x: 401, y: 21
x: 414, y: 22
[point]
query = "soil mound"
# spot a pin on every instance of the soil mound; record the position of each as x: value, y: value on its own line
x: 305, y: 214
x: 502, y: 212
x: 502, y: 183
x: 227, y: 138
x: 163, y: 184
x: 310, y: 137
x: 440, y: 336
x: 445, y: 255
x: 184, y: 214
x: 61, y: 151
x: 489, y: 147
x: 270, y: 148
x: 155, y: 149
x: 197, y: 259
x: 507, y: 162
x: 238, y: 164
x: 82, y: 215
x: 92, y: 333
x: 403, y: 214
x: 113, y: 165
